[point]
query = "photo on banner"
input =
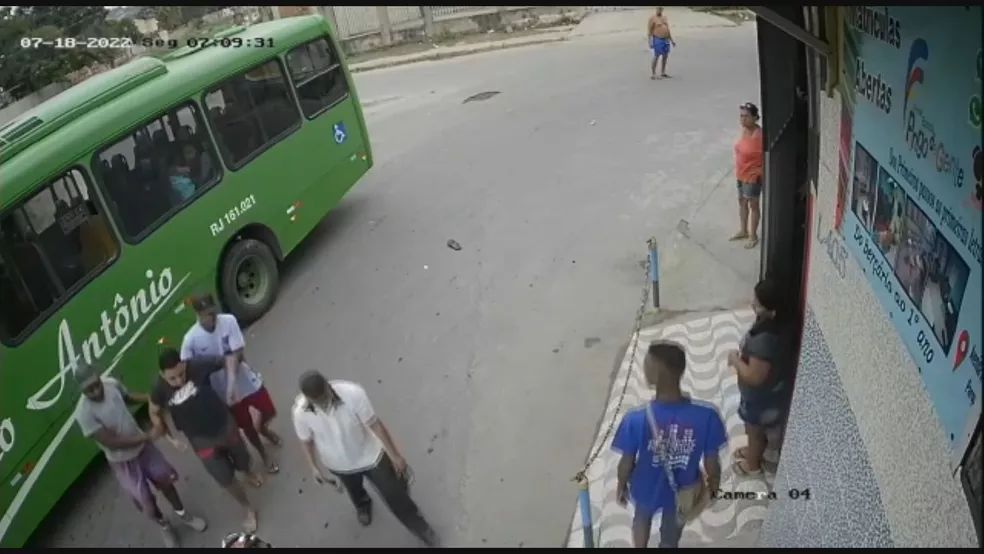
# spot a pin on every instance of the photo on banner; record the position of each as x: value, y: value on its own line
x: 911, y: 157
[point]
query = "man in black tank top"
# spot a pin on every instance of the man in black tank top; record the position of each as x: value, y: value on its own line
x: 184, y: 395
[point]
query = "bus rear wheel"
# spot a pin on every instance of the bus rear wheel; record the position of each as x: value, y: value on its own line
x: 250, y: 279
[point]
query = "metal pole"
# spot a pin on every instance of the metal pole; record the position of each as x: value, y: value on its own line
x: 654, y: 270
x: 385, y: 29
x: 584, y: 499
x: 427, y: 12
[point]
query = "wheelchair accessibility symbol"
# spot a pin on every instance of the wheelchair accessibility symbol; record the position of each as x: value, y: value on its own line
x: 339, y: 132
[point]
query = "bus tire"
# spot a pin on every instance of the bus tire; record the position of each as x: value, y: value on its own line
x: 250, y: 279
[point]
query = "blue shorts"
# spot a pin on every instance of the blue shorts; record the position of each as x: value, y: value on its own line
x: 749, y: 191
x: 660, y: 46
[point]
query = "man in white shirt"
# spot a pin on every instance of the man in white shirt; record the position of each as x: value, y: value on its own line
x: 217, y: 334
x: 338, y: 427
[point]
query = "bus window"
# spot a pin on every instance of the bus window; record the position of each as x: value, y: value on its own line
x: 154, y: 171
x: 250, y: 112
x: 50, y: 243
x: 317, y: 75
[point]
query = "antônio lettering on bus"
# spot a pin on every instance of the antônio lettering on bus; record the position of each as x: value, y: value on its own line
x: 127, y: 317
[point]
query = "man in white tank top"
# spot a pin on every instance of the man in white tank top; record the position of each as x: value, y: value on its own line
x: 218, y: 334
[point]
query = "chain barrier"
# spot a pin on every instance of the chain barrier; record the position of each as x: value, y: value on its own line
x: 582, y: 476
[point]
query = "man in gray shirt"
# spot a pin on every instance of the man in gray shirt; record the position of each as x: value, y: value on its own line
x: 102, y: 415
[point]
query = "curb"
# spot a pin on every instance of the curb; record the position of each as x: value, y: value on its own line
x: 455, y: 54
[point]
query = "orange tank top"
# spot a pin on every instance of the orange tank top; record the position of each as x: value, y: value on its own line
x: 748, y: 157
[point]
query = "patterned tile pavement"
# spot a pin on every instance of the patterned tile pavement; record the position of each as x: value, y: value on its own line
x: 727, y: 523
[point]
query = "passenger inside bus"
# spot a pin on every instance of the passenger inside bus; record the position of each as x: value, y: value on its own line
x: 24, y: 295
x: 179, y: 175
x: 250, y: 112
x: 166, y: 172
x: 216, y: 115
x: 237, y: 129
x: 198, y: 163
x: 16, y: 302
x: 138, y: 194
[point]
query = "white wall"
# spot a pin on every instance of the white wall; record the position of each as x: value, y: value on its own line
x: 14, y: 109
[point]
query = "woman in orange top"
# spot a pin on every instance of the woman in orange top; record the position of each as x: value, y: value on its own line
x: 748, y: 171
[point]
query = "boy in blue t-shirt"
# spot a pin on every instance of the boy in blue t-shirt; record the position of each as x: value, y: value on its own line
x: 688, y: 432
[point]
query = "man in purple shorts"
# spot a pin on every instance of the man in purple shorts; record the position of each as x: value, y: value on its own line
x: 103, y: 416
x: 660, y: 39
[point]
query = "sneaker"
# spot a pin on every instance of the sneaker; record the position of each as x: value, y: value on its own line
x: 195, y: 522
x: 170, y: 539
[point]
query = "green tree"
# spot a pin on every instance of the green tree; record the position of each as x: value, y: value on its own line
x: 24, y: 70
x: 169, y: 18
x: 172, y: 17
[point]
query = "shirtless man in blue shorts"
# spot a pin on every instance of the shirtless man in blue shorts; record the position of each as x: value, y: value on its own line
x: 660, y: 39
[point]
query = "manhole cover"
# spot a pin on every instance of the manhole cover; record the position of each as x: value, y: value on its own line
x: 481, y: 96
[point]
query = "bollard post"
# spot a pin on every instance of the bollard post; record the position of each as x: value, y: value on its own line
x: 584, y: 499
x: 654, y: 270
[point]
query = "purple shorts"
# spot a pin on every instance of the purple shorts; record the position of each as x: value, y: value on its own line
x: 137, y: 475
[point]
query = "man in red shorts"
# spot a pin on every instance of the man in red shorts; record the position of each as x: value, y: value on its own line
x: 218, y: 334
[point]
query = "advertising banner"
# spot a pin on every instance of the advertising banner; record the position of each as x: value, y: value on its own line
x: 911, y: 160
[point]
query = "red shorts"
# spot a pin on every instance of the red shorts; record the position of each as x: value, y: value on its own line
x: 260, y: 401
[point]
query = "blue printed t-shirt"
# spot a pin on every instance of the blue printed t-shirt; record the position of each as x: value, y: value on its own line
x: 693, y: 430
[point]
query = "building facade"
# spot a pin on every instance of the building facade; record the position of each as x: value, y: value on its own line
x: 884, y: 427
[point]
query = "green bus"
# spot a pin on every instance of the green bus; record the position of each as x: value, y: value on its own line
x: 120, y: 197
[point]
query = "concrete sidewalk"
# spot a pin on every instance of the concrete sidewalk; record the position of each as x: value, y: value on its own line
x: 705, y: 284
x: 556, y: 34
x: 727, y: 523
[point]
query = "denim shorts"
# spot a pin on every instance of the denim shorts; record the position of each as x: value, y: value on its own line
x: 760, y: 414
x: 749, y: 190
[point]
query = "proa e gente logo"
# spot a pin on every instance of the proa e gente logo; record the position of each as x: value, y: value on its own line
x: 920, y: 132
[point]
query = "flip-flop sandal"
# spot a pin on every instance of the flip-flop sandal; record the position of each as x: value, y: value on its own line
x: 752, y: 243
x: 740, y: 470
x: 272, y: 468
x: 740, y: 453
x: 738, y: 236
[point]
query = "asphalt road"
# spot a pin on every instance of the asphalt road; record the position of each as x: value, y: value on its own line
x: 491, y: 364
